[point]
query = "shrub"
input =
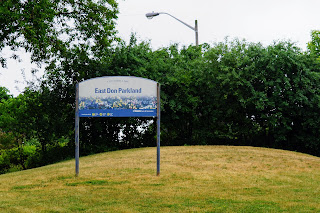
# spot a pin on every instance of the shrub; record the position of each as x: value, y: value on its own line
x: 4, y: 162
x: 7, y: 140
x: 22, y: 157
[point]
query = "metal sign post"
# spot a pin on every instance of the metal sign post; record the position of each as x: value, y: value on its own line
x: 158, y: 129
x: 117, y: 96
x: 77, y: 131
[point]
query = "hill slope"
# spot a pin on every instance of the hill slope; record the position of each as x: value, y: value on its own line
x: 193, y: 178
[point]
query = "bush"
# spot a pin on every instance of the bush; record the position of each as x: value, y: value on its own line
x: 7, y: 140
x: 22, y: 157
x: 4, y: 162
x: 59, y: 151
x: 29, y: 155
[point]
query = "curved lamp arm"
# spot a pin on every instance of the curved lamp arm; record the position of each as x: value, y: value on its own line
x: 153, y: 14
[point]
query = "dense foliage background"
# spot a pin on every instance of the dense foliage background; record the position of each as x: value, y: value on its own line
x: 232, y: 93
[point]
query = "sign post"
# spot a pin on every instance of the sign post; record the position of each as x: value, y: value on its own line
x: 117, y: 96
x: 77, y: 130
x: 158, y: 129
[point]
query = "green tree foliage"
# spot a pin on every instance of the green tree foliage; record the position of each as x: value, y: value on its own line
x: 19, y: 158
x: 59, y: 33
x: 47, y: 28
x: 29, y: 137
x: 7, y: 140
x: 4, y: 94
x: 99, y: 134
x: 314, y: 44
x: 13, y: 116
x: 267, y: 96
x: 234, y: 92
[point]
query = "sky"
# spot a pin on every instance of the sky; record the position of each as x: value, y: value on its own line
x: 252, y: 20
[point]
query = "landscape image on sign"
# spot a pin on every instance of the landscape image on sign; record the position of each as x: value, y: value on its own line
x: 118, y: 96
x: 117, y: 103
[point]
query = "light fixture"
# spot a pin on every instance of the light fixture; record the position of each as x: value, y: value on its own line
x: 195, y: 28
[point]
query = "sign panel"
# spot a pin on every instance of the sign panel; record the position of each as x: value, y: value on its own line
x: 118, y: 96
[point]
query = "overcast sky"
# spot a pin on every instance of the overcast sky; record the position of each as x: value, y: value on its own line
x: 253, y: 20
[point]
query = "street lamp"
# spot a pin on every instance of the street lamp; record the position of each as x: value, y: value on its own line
x: 195, y: 28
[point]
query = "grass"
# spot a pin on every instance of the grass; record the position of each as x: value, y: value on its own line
x: 192, y: 179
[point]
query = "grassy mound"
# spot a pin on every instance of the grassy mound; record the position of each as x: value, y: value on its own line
x: 193, y: 179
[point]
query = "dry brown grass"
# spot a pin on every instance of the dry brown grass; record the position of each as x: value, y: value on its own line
x: 193, y: 179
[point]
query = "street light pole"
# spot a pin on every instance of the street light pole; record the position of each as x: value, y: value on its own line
x: 153, y: 14
x: 196, y: 30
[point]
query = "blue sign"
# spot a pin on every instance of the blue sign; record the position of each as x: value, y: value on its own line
x: 117, y: 113
x: 118, y: 96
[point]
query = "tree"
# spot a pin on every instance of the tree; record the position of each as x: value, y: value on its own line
x: 263, y: 96
x: 4, y: 94
x: 14, y: 117
x: 314, y: 44
x: 53, y: 102
x: 47, y: 28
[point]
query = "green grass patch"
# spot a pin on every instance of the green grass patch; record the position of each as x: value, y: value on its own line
x: 31, y: 186
x: 89, y: 182
x: 192, y: 179
x: 97, y: 182
x: 65, y: 177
